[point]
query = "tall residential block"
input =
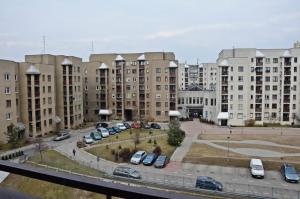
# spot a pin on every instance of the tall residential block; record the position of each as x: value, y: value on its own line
x: 133, y: 86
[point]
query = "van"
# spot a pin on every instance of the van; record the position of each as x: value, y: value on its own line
x: 205, y: 182
x: 257, y: 168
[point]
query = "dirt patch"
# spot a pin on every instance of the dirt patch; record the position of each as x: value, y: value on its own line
x: 259, y: 146
x: 205, y: 154
x: 285, y: 139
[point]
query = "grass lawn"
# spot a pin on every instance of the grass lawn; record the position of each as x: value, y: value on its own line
x: 205, y: 154
x: 49, y: 190
x: 285, y: 139
x: 130, y: 134
x: 144, y: 145
x: 9, y: 146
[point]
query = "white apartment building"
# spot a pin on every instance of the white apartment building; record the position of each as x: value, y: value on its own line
x: 258, y: 84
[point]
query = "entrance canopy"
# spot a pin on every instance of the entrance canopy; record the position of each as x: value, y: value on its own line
x: 174, y: 113
x: 223, y: 116
x: 104, y: 112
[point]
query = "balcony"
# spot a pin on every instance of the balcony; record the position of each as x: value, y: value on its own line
x: 172, y: 74
x: 259, y: 82
x: 287, y: 63
x: 37, y: 83
x: 287, y: 91
x: 258, y: 109
x: 224, y: 83
x: 258, y: 101
x: 225, y: 73
x: 225, y: 101
x: 224, y: 91
x: 287, y: 81
x: 258, y: 91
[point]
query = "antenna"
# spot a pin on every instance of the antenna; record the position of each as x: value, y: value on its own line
x: 197, y: 61
x: 233, y: 51
x: 44, y: 44
x: 92, y: 46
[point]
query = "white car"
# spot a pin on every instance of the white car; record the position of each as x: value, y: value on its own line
x: 104, y: 132
x: 88, y: 139
x: 257, y: 168
x: 138, y: 157
x: 121, y: 126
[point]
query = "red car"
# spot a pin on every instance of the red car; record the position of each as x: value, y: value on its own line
x: 135, y: 125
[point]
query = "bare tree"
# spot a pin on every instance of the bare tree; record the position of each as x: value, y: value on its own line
x: 41, y: 146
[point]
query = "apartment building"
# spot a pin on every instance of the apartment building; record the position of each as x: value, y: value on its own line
x: 133, y: 86
x: 67, y: 88
x: 9, y: 98
x: 197, y: 77
x: 258, y: 84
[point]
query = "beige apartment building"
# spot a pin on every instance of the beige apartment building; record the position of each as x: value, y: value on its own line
x: 9, y: 96
x: 133, y: 86
x: 42, y: 94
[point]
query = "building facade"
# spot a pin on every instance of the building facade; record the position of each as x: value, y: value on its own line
x: 135, y: 86
x: 260, y: 85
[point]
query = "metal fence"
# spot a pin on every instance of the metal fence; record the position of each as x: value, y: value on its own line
x: 188, y: 182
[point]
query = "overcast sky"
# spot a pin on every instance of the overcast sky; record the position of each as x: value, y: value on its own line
x: 190, y: 28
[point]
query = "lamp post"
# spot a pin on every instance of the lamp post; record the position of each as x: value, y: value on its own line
x: 228, y: 148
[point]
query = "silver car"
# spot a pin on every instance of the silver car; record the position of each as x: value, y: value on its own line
x: 127, y: 172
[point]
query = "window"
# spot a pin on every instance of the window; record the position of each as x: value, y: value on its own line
x: 268, y: 60
x: 275, y: 79
x: 240, y: 106
x: 295, y: 78
x: 240, y: 87
x: 268, y: 78
x: 43, y: 78
x: 7, y: 90
x: 50, y: 111
x: 44, y: 100
x: 8, y: 103
x: 240, y: 115
x: 158, y: 113
x: 158, y: 104
x: 252, y: 78
x: 49, y: 89
x: 158, y: 79
x: 268, y: 69
x: 158, y: 87
x: 274, y: 88
x: 241, y: 68
x: 49, y: 100
x: 7, y: 76
x: 294, y: 106
x: 240, y: 78
x: 275, y: 70
x: 166, y: 70
x: 274, y: 106
x: 8, y: 116
x: 128, y: 71
x: 158, y: 70
x: 274, y: 97
x: 240, y: 97
x: 166, y: 87
x: 252, y: 69
x: 158, y: 96
x: 295, y: 59
x: 49, y: 78
x: 267, y: 87
x: 275, y: 60
x: 295, y: 69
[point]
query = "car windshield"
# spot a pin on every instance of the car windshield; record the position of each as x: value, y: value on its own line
x: 137, y: 155
x: 161, y: 158
x: 290, y: 170
x: 258, y: 167
x: 88, y: 137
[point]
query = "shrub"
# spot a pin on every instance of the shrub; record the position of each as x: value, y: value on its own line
x: 125, y: 154
x: 154, y: 142
x: 149, y: 141
x: 117, y: 137
x: 175, y: 134
x: 120, y: 147
x: 113, y: 151
x: 150, y: 132
x: 157, y: 150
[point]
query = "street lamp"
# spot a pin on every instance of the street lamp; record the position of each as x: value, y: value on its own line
x: 228, y: 148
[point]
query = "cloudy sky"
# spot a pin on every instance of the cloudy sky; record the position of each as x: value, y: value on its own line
x: 193, y: 29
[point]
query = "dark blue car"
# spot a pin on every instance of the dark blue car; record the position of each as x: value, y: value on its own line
x: 111, y: 131
x: 150, y: 159
x: 289, y: 173
x: 116, y: 129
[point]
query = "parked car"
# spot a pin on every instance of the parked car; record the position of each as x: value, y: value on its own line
x: 289, y: 173
x: 95, y: 135
x: 256, y: 168
x: 138, y: 157
x: 135, y: 125
x: 150, y: 159
x: 205, y: 182
x: 104, y: 132
x: 116, y: 129
x: 127, y: 125
x: 127, y: 172
x: 121, y: 126
x: 62, y: 135
x: 101, y: 124
x: 155, y: 126
x: 88, y: 139
x: 161, y: 161
x: 145, y: 125
x: 111, y: 131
